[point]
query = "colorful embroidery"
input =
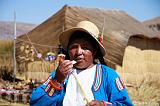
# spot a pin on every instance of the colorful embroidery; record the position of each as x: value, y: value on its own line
x: 47, y: 81
x: 98, y: 78
x: 119, y: 84
x: 47, y: 88
x: 51, y: 92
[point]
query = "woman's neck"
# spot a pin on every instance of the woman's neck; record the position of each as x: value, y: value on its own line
x: 81, y: 69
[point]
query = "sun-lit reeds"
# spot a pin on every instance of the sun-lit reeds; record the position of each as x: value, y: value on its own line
x: 6, y: 54
x: 140, y: 72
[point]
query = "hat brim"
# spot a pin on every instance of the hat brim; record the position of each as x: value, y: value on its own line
x: 65, y: 36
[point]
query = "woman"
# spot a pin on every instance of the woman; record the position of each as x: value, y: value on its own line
x: 87, y: 82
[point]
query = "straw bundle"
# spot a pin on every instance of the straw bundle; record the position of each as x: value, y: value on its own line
x: 39, y: 70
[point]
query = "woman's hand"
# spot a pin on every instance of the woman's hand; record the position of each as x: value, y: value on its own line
x: 63, y: 70
x: 95, y: 103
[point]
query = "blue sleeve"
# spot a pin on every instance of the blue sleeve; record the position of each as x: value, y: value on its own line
x: 117, y: 93
x: 41, y: 98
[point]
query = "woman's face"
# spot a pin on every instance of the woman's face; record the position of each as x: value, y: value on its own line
x: 81, y: 51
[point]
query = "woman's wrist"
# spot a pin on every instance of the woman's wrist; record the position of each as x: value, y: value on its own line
x: 58, y: 76
x: 58, y: 80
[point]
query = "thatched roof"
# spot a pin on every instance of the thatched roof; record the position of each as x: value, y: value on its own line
x: 119, y: 26
x: 144, y: 43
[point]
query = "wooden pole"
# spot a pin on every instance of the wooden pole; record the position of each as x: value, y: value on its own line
x: 14, y: 47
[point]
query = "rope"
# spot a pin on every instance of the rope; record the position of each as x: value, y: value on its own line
x: 32, y: 44
x: 35, y: 49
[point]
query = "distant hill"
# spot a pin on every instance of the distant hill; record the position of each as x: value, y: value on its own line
x: 153, y: 24
x: 7, y: 29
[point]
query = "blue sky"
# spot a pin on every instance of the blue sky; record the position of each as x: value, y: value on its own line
x: 37, y: 11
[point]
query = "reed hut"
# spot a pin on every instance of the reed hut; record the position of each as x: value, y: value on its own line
x: 118, y: 28
x: 141, y: 60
